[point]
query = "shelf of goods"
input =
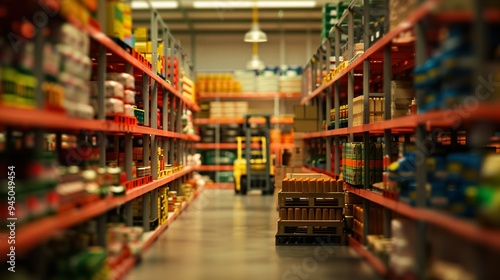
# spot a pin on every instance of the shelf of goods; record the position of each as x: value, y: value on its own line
x: 93, y: 138
x: 404, y: 112
x: 247, y: 95
x: 221, y: 118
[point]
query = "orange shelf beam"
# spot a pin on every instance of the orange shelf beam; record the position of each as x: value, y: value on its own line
x: 423, y: 10
x: 225, y: 186
x: 247, y: 95
x: 31, y: 234
x: 240, y: 121
x: 466, y: 229
x: 55, y: 120
x: 215, y: 168
x: 441, y: 118
x: 234, y: 146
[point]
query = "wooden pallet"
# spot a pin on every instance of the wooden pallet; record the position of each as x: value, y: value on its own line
x: 308, y: 227
x: 313, y: 240
x: 291, y: 199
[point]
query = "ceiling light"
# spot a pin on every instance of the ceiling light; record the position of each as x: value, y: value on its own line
x: 249, y: 4
x: 155, y: 4
x: 255, y: 63
x: 255, y: 35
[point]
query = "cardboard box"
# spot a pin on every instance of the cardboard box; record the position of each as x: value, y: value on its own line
x: 311, y: 112
x: 299, y: 112
x: 302, y: 125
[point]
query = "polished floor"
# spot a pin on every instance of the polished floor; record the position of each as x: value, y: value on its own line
x: 223, y: 236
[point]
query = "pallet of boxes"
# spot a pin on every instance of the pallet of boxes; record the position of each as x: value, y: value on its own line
x: 311, y: 210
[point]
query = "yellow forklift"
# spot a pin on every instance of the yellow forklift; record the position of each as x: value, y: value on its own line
x: 259, y: 173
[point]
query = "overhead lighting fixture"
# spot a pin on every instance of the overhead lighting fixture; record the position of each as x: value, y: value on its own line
x: 142, y: 5
x: 249, y: 4
x: 255, y: 35
x: 255, y: 63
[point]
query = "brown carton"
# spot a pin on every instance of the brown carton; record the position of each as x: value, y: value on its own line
x: 304, y: 213
x: 290, y: 214
x: 320, y: 185
x: 325, y: 214
x: 311, y: 112
x: 340, y: 185
x: 291, y: 185
x: 283, y: 214
x: 299, y: 112
x: 318, y: 214
x: 333, y: 185
x: 306, y: 186
x: 298, y: 185
x: 311, y: 214
x: 313, y: 185
x: 285, y: 185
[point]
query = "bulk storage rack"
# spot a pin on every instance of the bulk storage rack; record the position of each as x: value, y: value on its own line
x: 218, y: 145
x: 156, y: 91
x: 383, y: 58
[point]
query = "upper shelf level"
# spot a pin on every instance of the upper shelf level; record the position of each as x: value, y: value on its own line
x: 59, y: 121
x: 428, y: 9
x: 445, y: 118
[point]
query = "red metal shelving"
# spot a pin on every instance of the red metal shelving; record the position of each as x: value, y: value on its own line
x: 122, y: 270
x: 423, y: 10
x: 202, y: 121
x: 247, y: 95
x: 234, y: 146
x: 461, y: 227
x: 60, y: 121
x: 110, y: 45
x: 31, y: 234
x: 440, y: 118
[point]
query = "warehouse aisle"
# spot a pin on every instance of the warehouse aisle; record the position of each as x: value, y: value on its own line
x: 223, y: 236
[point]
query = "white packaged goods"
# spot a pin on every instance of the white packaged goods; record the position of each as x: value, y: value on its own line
x: 267, y: 83
x: 114, y: 106
x: 290, y: 84
x: 247, y: 80
x: 129, y: 110
x: 111, y: 89
x: 129, y: 97
x: 127, y: 80
x: 85, y: 111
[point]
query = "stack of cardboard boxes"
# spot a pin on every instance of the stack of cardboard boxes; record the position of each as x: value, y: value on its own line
x: 311, y: 207
x: 375, y: 109
x: 228, y: 109
x: 402, y: 93
x: 305, y: 118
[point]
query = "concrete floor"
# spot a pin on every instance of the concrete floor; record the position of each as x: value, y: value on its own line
x: 224, y: 236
